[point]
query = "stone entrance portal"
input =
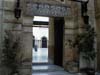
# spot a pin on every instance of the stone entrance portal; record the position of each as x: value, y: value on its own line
x: 23, y: 26
x: 51, y: 9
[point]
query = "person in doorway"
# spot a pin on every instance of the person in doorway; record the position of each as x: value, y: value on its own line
x: 35, y: 47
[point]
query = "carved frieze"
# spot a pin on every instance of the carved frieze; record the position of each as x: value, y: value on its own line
x: 45, y: 9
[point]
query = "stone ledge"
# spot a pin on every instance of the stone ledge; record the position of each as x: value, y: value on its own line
x: 27, y: 29
x: 14, y: 21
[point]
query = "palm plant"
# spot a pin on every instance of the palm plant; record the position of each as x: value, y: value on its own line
x: 11, y: 48
x: 85, y: 44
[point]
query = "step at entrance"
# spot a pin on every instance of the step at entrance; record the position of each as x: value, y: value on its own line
x: 49, y: 70
x: 46, y: 68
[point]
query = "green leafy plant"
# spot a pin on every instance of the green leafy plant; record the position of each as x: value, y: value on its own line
x: 85, y: 44
x: 11, y: 48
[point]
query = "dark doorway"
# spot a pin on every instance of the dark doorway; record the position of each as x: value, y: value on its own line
x: 58, y: 36
x: 44, y: 42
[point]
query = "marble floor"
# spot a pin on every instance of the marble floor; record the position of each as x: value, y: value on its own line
x: 52, y: 70
x: 49, y: 70
x: 46, y: 68
x: 40, y: 56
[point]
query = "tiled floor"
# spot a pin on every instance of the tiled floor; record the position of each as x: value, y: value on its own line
x: 40, y: 56
x: 46, y: 68
x: 52, y: 70
x: 49, y: 70
x: 52, y: 73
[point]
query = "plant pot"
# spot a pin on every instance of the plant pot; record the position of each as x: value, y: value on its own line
x: 14, y: 72
x: 88, y: 71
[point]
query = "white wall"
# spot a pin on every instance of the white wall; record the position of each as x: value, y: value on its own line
x: 40, y: 32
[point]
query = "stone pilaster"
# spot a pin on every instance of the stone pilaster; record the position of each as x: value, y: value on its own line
x: 1, y: 24
x: 70, y: 56
x: 27, y: 37
x: 1, y: 35
x: 97, y: 16
x: 51, y: 41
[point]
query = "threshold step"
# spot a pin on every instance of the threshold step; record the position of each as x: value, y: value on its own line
x: 46, y: 68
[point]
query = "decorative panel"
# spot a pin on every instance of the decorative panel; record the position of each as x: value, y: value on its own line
x: 45, y: 9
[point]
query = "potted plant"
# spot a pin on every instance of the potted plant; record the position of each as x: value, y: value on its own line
x: 11, y: 47
x: 85, y: 45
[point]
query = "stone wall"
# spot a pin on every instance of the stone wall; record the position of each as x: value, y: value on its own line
x: 70, y: 55
x: 1, y: 23
x: 21, y: 28
x: 97, y: 16
x: 73, y: 25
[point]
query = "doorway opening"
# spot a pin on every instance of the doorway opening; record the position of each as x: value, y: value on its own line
x: 40, y: 39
